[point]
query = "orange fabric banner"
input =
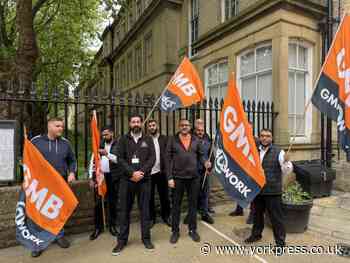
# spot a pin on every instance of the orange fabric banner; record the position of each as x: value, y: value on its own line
x: 49, y: 199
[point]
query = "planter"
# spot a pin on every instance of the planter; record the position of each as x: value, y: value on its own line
x: 296, y: 216
x: 313, y: 178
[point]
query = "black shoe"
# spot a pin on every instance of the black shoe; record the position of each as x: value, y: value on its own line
x: 207, y: 218
x: 167, y: 221
x: 95, y: 234
x: 211, y: 210
x: 114, y: 231
x: 174, y: 237
x: 252, y: 239
x: 36, y: 254
x: 63, y: 243
x: 194, y: 235
x: 148, y: 244
x: 118, y: 248
x: 250, y: 218
x: 186, y: 220
x: 236, y: 212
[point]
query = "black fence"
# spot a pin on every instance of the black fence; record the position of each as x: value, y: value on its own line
x: 34, y: 107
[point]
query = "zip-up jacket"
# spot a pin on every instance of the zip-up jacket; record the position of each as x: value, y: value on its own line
x: 58, y: 153
x: 182, y: 163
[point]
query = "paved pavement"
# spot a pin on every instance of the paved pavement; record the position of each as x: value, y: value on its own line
x: 225, y: 231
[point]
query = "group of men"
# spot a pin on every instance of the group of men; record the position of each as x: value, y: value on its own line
x: 137, y: 163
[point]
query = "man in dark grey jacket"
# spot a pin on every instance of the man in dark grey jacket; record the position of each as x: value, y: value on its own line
x: 58, y: 152
x: 184, y: 151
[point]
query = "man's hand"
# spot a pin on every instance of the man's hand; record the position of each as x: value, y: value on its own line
x: 207, y: 165
x: 171, y: 183
x: 71, y: 177
x: 103, y: 152
x: 137, y: 176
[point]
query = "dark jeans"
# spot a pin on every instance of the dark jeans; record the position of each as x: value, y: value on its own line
x: 160, y: 181
x: 273, y: 205
x: 192, y: 188
x: 128, y: 191
x: 203, y: 198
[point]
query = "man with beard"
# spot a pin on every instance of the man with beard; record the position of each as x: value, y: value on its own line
x: 184, y: 151
x: 275, y: 162
x: 158, y: 176
x: 137, y: 156
x: 111, y: 170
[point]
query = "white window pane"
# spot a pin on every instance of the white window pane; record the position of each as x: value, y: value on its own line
x: 291, y: 93
x: 223, y: 72
x: 214, y: 92
x: 265, y: 87
x: 249, y: 88
x: 223, y: 90
x: 300, y: 125
x: 292, y: 55
x: 212, y: 75
x: 300, y: 93
x: 291, y: 124
x: 302, y: 57
x: 264, y: 58
x: 247, y: 64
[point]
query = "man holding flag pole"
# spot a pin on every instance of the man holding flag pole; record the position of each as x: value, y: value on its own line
x: 46, y: 201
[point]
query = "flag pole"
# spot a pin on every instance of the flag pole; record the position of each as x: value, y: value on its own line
x: 154, y: 106
x: 210, y: 155
x: 317, y: 80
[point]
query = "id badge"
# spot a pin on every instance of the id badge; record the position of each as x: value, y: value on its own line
x: 135, y: 160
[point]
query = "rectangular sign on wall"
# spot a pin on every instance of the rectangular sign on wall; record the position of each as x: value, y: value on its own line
x: 8, y: 151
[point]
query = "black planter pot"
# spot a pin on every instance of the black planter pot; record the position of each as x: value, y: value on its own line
x: 296, y: 216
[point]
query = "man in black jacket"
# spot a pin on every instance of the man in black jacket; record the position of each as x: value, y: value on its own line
x: 58, y: 152
x: 275, y: 162
x: 111, y: 170
x: 158, y: 174
x: 184, y: 151
x: 136, y: 155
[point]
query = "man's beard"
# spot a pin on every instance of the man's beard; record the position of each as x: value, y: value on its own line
x: 108, y: 140
x: 136, y: 129
x: 154, y: 132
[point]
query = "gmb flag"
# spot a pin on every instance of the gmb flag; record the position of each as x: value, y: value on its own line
x: 45, y: 203
x: 237, y: 163
x: 184, y: 89
x: 332, y: 93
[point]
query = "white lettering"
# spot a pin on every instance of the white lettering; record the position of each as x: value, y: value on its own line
x: 52, y: 207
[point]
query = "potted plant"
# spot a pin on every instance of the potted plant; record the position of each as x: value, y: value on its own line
x: 296, y: 206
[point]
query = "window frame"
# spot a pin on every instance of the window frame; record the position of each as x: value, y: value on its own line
x: 223, y: 10
x: 306, y: 138
x: 193, y: 15
x: 256, y: 72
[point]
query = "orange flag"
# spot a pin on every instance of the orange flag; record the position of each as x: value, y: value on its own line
x: 184, y: 89
x: 102, y: 188
x: 237, y: 162
x: 49, y: 200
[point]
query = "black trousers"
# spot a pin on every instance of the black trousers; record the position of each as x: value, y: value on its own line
x: 273, y: 205
x: 128, y: 191
x: 112, y: 201
x: 192, y: 188
x: 160, y: 181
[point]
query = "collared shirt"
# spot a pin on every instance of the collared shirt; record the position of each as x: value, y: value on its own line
x: 156, y: 166
x: 286, y: 167
x: 136, y: 137
x: 104, y: 160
